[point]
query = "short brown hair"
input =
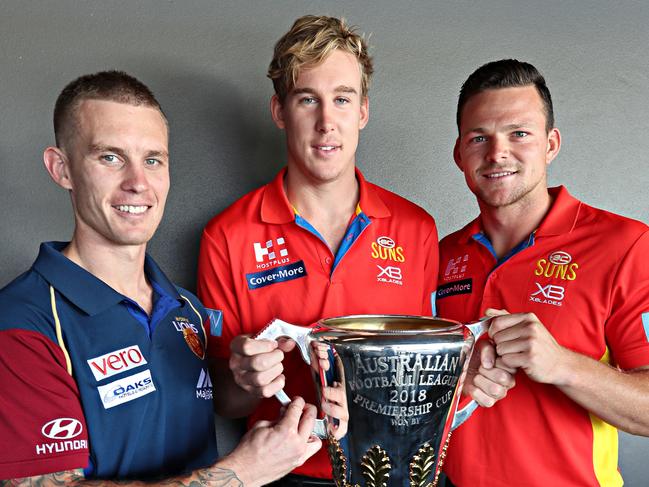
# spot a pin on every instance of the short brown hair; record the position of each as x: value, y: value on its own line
x: 115, y: 86
x: 506, y: 73
x: 311, y: 39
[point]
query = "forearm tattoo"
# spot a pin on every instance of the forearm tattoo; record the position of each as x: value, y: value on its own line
x: 212, y: 477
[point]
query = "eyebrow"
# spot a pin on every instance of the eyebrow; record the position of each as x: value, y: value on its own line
x: 311, y: 91
x: 117, y: 150
x: 511, y: 126
x: 105, y: 148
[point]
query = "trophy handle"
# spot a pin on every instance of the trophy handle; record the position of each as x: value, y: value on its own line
x: 461, y: 415
x: 278, y: 328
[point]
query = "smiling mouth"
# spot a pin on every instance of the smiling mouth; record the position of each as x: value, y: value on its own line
x: 501, y: 174
x: 132, y: 209
x: 326, y: 148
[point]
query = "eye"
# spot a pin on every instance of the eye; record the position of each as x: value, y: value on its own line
x: 307, y: 100
x: 152, y: 162
x: 520, y: 134
x: 110, y: 159
x: 341, y: 100
x: 478, y: 139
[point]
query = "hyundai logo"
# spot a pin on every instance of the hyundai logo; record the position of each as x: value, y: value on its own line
x: 62, y: 428
x: 560, y: 258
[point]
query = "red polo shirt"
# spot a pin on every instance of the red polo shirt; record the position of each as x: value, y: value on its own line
x: 585, y: 275
x: 259, y: 260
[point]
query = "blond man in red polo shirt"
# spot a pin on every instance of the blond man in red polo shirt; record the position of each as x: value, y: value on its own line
x: 318, y: 241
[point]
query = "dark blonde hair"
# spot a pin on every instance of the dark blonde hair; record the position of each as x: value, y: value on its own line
x: 311, y: 39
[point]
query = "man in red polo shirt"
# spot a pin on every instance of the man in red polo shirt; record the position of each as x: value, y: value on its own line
x: 569, y: 286
x: 318, y: 241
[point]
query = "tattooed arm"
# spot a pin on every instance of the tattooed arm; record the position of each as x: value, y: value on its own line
x: 266, y: 453
x: 214, y: 476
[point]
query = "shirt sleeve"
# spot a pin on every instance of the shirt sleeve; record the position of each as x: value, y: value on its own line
x: 431, y: 266
x: 627, y: 328
x: 215, y: 288
x: 42, y: 426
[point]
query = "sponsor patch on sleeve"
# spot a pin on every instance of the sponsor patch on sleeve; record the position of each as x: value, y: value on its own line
x: 645, y: 324
x: 216, y: 321
x: 465, y: 286
x: 276, y: 274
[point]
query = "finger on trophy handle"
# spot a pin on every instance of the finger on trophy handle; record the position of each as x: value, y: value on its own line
x: 277, y: 329
x: 477, y: 329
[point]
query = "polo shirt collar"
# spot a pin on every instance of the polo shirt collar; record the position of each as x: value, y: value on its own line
x: 275, y: 207
x: 563, y: 214
x: 79, y: 286
x: 561, y: 218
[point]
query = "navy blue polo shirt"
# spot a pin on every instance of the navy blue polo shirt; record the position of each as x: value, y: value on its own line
x: 141, y: 381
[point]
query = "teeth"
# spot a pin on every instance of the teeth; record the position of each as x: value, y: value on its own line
x: 326, y: 147
x: 499, y: 174
x: 132, y: 209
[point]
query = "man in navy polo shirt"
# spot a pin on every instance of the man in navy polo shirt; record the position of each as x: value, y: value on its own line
x: 103, y: 370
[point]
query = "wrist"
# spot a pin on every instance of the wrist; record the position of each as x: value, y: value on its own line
x: 233, y: 464
x: 566, y: 369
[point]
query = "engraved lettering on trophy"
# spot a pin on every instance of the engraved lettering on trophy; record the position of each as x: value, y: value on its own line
x: 409, y: 378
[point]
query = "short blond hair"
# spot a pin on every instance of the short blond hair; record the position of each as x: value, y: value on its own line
x: 311, y: 39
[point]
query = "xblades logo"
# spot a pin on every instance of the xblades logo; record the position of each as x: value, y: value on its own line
x: 390, y: 274
x: 549, y: 294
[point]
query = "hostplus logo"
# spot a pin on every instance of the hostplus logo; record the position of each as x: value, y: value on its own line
x: 456, y: 267
x: 204, y: 386
x: 271, y: 253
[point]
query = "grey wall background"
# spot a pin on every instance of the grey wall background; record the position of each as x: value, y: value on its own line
x: 206, y: 61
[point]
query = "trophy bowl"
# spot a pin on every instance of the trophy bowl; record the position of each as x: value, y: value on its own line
x: 402, y: 377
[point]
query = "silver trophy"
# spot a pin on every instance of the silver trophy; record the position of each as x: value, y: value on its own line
x: 402, y: 377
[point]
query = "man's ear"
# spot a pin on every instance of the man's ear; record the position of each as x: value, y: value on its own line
x: 57, y: 165
x: 554, y: 145
x: 277, y: 112
x: 456, y: 154
x: 365, y: 112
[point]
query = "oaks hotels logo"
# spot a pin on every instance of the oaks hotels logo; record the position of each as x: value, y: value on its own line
x: 126, y: 389
x: 558, y: 265
x: 116, y: 362
x: 62, y: 431
x: 386, y: 249
x: 270, y: 253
